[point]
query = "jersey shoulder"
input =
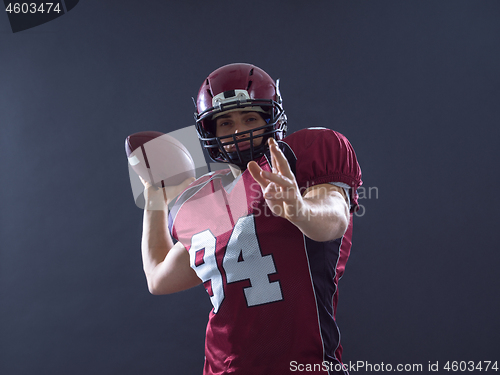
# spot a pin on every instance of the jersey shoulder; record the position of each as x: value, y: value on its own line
x: 314, y: 137
x: 323, y: 155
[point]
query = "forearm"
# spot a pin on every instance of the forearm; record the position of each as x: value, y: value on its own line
x: 166, y: 266
x: 156, y: 240
x: 323, y: 219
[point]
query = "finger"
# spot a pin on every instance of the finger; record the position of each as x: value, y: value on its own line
x: 274, y: 164
x: 256, y: 172
x: 279, y: 160
x: 270, y: 189
x: 146, y: 184
x: 165, y: 198
x: 273, y: 159
x: 278, y: 179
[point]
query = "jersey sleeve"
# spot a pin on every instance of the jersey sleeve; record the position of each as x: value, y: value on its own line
x: 324, y: 156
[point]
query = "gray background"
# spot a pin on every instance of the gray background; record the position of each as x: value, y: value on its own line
x: 414, y: 85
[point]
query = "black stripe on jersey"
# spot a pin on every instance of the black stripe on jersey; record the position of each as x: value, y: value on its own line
x: 323, y: 258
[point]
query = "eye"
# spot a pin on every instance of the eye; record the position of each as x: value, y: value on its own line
x: 223, y: 123
x: 252, y: 118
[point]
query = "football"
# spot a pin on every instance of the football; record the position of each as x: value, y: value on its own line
x: 159, y: 158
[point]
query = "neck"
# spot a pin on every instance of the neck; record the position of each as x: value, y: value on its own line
x: 236, y: 171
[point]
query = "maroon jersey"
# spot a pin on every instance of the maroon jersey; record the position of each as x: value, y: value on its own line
x: 274, y: 290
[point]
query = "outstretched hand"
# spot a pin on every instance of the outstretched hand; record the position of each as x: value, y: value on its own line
x: 279, y: 187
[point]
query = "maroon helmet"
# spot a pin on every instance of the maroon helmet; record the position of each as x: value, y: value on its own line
x: 232, y: 87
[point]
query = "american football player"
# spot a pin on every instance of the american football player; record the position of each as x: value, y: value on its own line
x: 269, y: 237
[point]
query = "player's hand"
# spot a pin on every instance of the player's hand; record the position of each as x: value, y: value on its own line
x: 279, y: 187
x: 155, y: 198
x: 158, y: 198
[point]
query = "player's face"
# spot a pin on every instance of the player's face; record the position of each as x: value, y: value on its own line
x: 237, y: 122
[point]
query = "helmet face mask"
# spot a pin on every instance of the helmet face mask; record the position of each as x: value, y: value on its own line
x: 237, y: 87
